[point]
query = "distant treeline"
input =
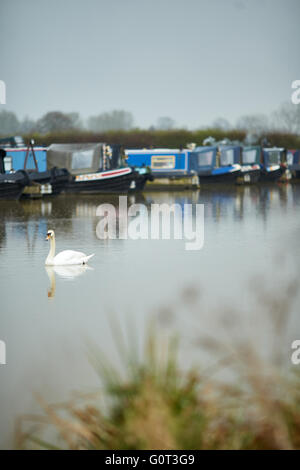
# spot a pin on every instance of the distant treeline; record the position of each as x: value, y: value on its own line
x: 281, y: 128
x: 138, y: 138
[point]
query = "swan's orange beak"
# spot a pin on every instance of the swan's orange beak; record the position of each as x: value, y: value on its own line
x: 47, y: 237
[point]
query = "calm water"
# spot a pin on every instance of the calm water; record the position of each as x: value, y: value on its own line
x: 49, y: 317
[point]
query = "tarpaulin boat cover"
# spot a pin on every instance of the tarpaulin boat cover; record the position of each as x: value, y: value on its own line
x: 76, y: 158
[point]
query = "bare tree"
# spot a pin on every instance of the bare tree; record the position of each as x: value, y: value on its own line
x: 222, y: 124
x: 114, y: 120
x: 27, y: 125
x: 254, y: 123
x: 165, y: 123
x: 9, y: 123
x: 54, y: 121
x: 76, y: 120
x: 287, y: 118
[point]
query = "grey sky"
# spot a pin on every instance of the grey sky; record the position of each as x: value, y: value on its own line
x: 193, y: 60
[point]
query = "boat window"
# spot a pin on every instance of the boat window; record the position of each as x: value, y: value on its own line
x: 227, y: 157
x: 205, y: 158
x: 249, y: 156
x: 290, y: 158
x: 274, y: 157
x: 82, y: 159
x: 162, y: 162
x: 8, y: 163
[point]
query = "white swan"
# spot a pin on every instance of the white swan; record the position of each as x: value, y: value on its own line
x: 66, y: 257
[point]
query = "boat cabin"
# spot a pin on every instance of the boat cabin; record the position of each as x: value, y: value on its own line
x: 164, y: 163
x: 216, y: 163
x: 19, y: 159
x: 84, y: 158
x: 229, y: 155
x: 204, y: 159
x: 207, y: 158
x: 293, y: 160
x: 273, y: 156
x: 251, y: 155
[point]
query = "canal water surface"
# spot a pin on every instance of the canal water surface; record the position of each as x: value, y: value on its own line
x: 242, y: 286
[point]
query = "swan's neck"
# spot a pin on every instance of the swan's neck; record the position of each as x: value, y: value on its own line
x: 51, y: 254
x: 51, y: 275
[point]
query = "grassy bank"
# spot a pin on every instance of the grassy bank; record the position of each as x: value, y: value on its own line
x: 138, y: 138
x: 153, y: 404
x: 150, y: 401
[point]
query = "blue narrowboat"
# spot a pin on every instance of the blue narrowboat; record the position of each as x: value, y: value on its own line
x: 273, y: 164
x: 216, y: 164
x: 33, y: 161
x: 16, y: 159
x: 250, y: 164
x: 171, y: 168
x: 293, y: 162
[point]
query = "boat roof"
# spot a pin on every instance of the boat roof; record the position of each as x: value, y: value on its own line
x: 272, y: 149
x: 205, y: 148
x: 250, y: 147
x: 12, y: 141
x: 153, y: 151
x: 76, y: 158
x: 24, y: 149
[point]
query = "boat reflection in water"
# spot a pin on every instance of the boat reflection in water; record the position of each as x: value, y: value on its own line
x: 233, y: 202
x: 75, y: 216
x: 68, y: 273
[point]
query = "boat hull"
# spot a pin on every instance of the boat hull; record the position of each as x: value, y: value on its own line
x: 271, y: 175
x: 10, y: 191
x: 214, y: 177
x: 166, y: 182
x: 250, y: 176
x: 295, y: 171
x: 12, y: 185
x: 115, y: 181
x: 56, y: 178
x: 140, y: 181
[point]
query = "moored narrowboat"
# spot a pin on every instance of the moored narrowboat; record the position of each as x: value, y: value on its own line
x: 250, y: 164
x: 11, y: 184
x: 217, y: 164
x: 22, y: 157
x: 293, y: 162
x: 273, y: 164
x: 33, y: 160
x: 90, y: 168
x: 170, y: 168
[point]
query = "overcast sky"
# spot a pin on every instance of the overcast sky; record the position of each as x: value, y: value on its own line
x: 192, y: 60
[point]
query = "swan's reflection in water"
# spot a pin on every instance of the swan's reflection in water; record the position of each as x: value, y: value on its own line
x: 68, y: 273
